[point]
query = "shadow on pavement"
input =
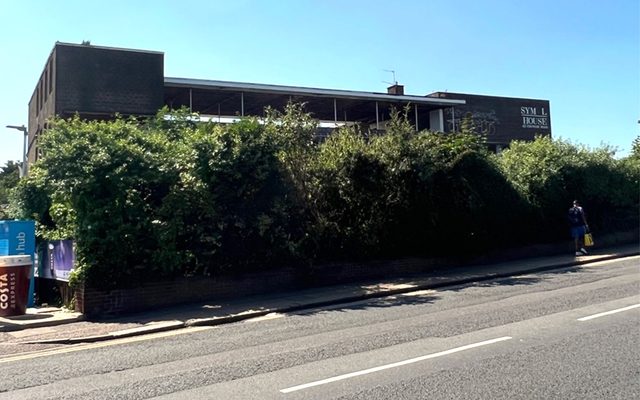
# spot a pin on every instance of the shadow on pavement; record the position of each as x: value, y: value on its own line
x: 429, y: 296
x: 528, y: 279
x: 394, y: 300
x: 29, y: 317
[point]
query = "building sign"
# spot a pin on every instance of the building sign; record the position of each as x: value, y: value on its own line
x: 500, y: 119
x: 534, y: 117
x: 19, y: 238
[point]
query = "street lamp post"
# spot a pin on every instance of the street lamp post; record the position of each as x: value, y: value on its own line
x: 23, y: 129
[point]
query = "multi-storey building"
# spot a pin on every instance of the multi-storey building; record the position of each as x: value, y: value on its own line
x: 99, y: 82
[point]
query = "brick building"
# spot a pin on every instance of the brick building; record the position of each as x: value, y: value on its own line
x: 98, y: 82
x: 95, y: 82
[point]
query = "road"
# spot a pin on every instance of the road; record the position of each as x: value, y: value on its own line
x: 572, y: 333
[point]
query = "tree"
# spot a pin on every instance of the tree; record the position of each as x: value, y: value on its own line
x: 9, y: 178
x: 635, y: 147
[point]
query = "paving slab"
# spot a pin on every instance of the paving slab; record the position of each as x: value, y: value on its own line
x: 39, y: 317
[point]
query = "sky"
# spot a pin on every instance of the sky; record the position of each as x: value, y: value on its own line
x: 582, y: 56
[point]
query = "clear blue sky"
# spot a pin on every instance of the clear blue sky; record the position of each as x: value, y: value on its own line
x: 584, y: 57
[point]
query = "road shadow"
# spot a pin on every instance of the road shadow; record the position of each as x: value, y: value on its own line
x: 391, y: 300
x: 429, y: 294
x: 526, y: 279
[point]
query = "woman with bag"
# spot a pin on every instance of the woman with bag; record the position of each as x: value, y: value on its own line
x: 579, y: 227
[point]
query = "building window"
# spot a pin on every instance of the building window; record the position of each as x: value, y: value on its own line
x: 46, y: 83
x: 50, y: 75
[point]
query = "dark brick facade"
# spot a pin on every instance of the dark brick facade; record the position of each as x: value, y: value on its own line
x: 96, y: 80
x: 501, y: 119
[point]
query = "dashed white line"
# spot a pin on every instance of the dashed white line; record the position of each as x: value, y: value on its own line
x: 602, y: 314
x: 394, y: 365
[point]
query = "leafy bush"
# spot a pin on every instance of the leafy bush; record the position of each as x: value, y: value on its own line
x: 246, y: 213
x: 99, y: 182
x: 478, y: 209
x: 348, y: 196
x: 551, y: 173
x: 174, y: 197
x: 378, y: 196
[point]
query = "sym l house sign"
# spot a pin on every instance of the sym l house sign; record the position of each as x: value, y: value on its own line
x: 535, y: 118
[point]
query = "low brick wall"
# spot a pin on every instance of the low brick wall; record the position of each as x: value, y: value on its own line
x: 94, y: 303
x: 152, y: 295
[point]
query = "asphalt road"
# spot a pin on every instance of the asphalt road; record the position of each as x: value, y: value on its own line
x: 539, y: 336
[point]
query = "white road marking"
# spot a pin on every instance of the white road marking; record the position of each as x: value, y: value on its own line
x: 394, y: 365
x: 602, y: 314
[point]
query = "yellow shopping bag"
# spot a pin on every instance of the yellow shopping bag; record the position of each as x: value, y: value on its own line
x: 588, y: 240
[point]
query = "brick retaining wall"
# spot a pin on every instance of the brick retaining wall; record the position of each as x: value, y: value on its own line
x: 152, y: 295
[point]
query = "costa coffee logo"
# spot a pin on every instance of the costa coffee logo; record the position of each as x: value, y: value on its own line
x: 4, y: 291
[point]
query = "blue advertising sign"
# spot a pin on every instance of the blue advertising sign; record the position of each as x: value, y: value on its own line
x: 19, y: 238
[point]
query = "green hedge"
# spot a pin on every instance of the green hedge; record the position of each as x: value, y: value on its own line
x: 171, y: 197
x: 550, y: 174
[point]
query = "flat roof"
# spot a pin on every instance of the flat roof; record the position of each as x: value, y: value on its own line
x: 443, y: 95
x: 93, y: 46
x: 306, y: 91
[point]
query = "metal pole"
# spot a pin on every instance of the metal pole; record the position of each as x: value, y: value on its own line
x: 415, y: 107
x: 25, y: 132
x: 25, y: 165
x: 453, y: 119
x: 377, y: 117
x: 242, y: 104
x: 335, y: 110
x: 190, y: 100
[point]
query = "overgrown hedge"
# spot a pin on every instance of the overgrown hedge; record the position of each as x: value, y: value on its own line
x: 171, y: 197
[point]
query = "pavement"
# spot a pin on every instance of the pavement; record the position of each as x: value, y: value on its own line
x: 49, y: 326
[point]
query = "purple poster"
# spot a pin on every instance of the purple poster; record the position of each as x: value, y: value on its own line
x: 58, y: 260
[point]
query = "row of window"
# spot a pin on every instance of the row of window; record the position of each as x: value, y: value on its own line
x: 45, y: 86
x: 37, y: 150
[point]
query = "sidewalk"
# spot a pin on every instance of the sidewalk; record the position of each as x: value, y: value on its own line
x: 56, y: 326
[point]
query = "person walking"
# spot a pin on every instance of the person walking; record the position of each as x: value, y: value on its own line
x: 579, y: 227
